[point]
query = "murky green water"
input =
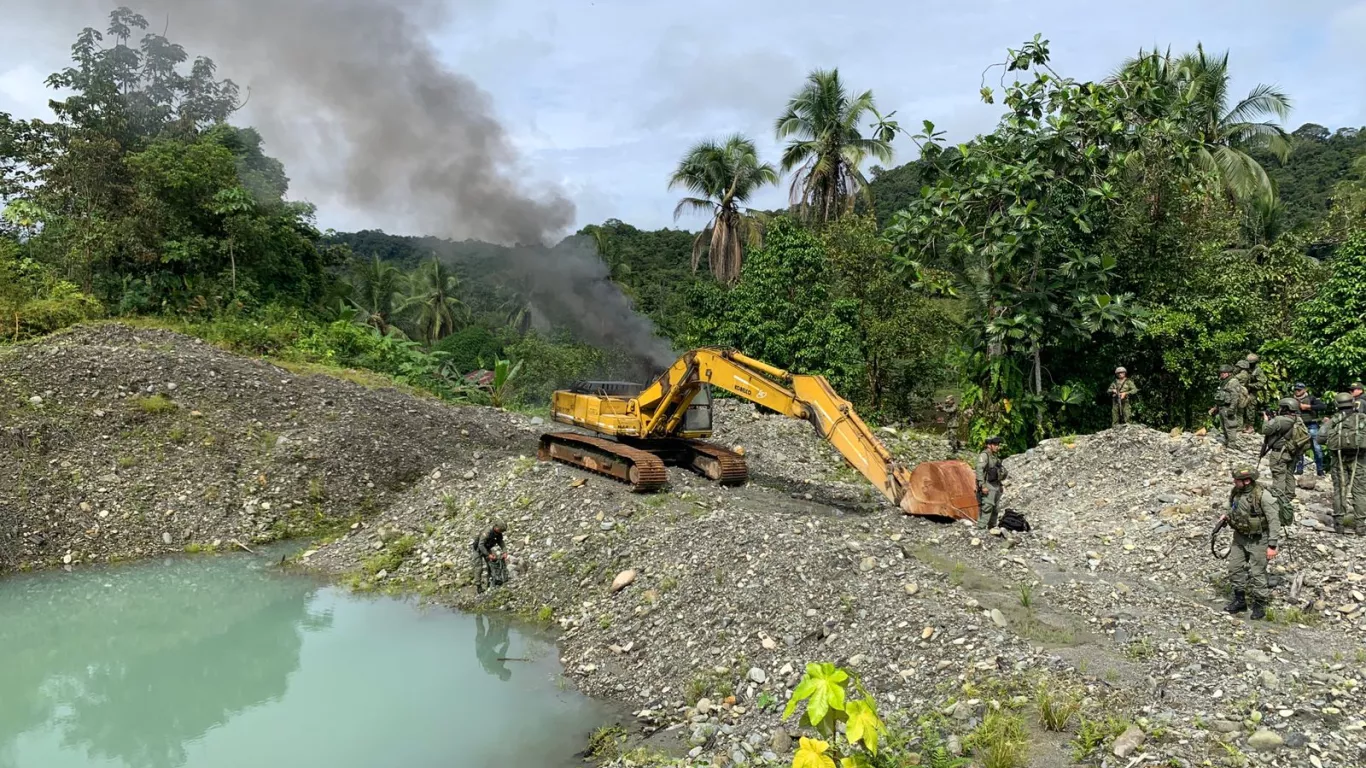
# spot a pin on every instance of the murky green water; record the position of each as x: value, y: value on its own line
x: 217, y: 661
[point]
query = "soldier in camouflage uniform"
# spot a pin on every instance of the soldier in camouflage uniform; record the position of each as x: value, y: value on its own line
x: 950, y: 409
x: 1283, y: 453
x: 1255, y: 383
x: 1256, y: 531
x: 1356, y: 389
x: 991, y: 473
x: 1122, y: 392
x: 1226, y: 403
x: 490, y: 557
x: 1339, y: 434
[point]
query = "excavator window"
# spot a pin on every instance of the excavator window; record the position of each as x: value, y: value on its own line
x: 698, y: 416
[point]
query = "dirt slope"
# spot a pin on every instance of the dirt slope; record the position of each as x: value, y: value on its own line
x: 116, y: 442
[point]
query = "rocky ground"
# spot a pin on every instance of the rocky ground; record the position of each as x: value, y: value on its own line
x: 698, y: 607
x: 1113, y: 598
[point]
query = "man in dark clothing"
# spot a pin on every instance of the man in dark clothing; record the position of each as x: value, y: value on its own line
x: 1310, y: 408
x: 487, y: 560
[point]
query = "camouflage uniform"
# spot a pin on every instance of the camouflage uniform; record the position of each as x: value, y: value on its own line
x: 1227, y: 403
x: 991, y: 473
x: 1255, y: 383
x: 1349, y: 465
x: 1282, y: 455
x: 1120, y: 408
x: 483, y: 547
x: 1256, y: 528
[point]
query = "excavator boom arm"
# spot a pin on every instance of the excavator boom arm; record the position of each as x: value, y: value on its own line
x: 810, y: 398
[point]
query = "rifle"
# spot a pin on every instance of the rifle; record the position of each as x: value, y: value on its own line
x: 1266, y: 446
x: 1219, y: 526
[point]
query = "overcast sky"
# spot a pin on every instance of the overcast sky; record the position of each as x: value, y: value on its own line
x: 603, y: 96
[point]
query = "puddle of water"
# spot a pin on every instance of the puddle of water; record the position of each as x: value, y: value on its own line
x: 213, y: 662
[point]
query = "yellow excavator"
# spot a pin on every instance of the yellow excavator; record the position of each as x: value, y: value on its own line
x: 641, y: 429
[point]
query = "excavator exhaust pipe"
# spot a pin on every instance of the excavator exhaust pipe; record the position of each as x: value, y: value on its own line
x: 942, y: 489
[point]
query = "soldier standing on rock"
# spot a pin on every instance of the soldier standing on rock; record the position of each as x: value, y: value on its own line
x: 991, y: 473
x: 1286, y: 439
x: 1256, y: 530
x: 1344, y: 435
x: 1121, y: 393
x: 1310, y: 408
x: 1227, y: 402
x: 950, y: 409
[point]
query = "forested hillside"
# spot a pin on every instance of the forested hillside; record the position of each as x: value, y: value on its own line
x: 1152, y: 219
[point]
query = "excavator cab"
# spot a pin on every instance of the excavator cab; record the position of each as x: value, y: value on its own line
x: 697, y: 421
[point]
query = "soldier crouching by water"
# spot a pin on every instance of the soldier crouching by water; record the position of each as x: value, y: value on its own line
x: 487, y: 561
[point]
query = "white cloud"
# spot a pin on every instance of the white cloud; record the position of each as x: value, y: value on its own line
x: 603, y: 96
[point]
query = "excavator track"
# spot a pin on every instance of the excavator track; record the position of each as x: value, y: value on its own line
x: 643, y: 470
x: 720, y: 464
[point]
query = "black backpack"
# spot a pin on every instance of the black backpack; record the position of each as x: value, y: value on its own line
x: 1014, y: 521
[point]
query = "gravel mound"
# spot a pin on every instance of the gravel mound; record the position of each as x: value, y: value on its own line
x: 699, y: 606
x: 118, y: 442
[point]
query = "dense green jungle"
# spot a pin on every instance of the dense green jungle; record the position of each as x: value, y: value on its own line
x: 1152, y: 218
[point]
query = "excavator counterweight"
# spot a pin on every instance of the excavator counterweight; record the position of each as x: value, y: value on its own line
x: 638, y: 430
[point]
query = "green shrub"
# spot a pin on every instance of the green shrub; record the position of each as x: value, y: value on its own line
x: 470, y: 348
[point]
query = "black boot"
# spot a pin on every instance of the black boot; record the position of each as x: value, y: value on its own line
x: 1258, y: 611
x: 1238, y: 604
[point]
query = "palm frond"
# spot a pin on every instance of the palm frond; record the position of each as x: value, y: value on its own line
x: 1262, y: 100
x: 696, y: 204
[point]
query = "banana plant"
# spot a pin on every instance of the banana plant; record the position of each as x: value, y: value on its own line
x: 504, y: 376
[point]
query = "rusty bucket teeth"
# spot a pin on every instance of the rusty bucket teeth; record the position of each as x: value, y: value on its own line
x: 642, y: 470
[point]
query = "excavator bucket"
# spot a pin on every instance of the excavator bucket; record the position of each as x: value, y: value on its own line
x: 942, y: 489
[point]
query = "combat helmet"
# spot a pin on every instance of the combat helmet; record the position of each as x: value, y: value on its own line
x: 1120, y: 370
x: 1244, y: 364
x: 1253, y: 358
x: 1345, y: 401
x: 500, y: 525
x: 1226, y: 368
x: 1290, y: 404
x: 1355, y: 385
x: 1245, y: 473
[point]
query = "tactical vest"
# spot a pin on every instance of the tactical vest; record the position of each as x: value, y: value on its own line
x: 1346, y: 432
x: 1246, y: 515
x: 995, y: 471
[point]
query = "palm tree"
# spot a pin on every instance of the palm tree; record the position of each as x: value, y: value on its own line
x: 374, y: 289
x: 722, y: 177
x: 822, y: 121
x: 433, y: 301
x: 1199, y: 90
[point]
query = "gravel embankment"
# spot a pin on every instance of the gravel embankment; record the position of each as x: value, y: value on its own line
x: 724, y: 594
